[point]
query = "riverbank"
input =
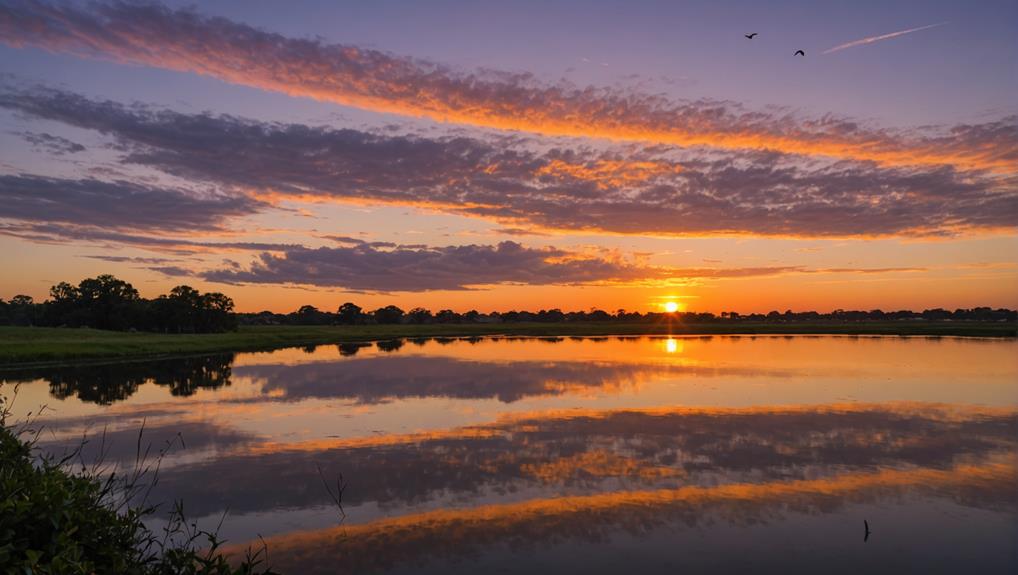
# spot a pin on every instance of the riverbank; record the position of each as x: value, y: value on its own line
x: 36, y: 345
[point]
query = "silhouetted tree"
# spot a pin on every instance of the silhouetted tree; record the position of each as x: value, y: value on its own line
x: 109, y: 303
x: 349, y: 314
x: 186, y: 310
x: 419, y: 315
x: 22, y: 310
x: 448, y: 316
x: 310, y: 315
x: 388, y: 314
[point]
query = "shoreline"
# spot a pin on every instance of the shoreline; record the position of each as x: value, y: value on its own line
x: 39, y: 347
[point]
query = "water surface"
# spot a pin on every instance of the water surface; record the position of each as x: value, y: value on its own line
x: 522, y: 455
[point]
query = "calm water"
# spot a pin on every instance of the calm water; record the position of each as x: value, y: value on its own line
x: 515, y: 455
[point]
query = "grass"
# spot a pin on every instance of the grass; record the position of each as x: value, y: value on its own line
x: 21, y: 346
x: 58, y: 520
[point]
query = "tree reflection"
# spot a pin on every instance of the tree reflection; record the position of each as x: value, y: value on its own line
x: 109, y: 383
x: 390, y: 345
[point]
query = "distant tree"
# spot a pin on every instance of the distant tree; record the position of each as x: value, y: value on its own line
x: 448, y: 316
x: 936, y: 314
x: 349, y: 314
x: 388, y: 314
x: 22, y: 310
x: 65, y: 306
x: 215, y: 313
x: 109, y: 303
x: 186, y: 310
x: 309, y: 315
x: 551, y: 315
x: 419, y: 315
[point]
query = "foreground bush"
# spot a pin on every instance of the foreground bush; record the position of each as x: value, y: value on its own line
x: 56, y: 521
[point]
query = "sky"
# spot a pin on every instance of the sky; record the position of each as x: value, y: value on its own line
x: 515, y: 155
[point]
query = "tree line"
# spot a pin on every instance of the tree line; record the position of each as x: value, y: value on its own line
x: 105, y: 302
x: 352, y: 314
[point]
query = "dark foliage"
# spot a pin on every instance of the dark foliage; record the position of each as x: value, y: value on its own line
x: 54, y: 520
x: 105, y: 302
x: 351, y: 314
x: 108, y: 383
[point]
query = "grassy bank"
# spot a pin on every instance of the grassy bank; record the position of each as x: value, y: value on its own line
x: 54, y: 519
x: 19, y: 345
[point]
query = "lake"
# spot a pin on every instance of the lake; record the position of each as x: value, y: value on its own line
x: 593, y: 455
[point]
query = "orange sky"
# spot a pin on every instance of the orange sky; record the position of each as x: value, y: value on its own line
x: 385, y: 167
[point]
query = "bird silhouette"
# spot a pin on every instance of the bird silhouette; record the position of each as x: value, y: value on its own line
x: 866, y: 536
x: 799, y: 53
x: 750, y: 36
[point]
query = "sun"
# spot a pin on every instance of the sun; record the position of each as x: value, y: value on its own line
x: 671, y: 306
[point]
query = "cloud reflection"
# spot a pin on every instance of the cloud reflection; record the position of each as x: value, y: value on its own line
x: 582, y: 452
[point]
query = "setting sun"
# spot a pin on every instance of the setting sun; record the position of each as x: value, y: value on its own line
x: 671, y: 306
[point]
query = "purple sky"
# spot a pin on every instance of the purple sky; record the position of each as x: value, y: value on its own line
x: 499, y: 154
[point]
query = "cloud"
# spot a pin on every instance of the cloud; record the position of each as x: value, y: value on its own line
x: 58, y: 233
x: 173, y: 271
x: 364, y: 267
x: 186, y: 41
x: 117, y: 205
x: 127, y: 259
x: 53, y: 144
x: 872, y: 39
x: 632, y: 191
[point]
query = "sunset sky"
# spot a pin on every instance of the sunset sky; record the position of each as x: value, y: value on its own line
x: 523, y: 155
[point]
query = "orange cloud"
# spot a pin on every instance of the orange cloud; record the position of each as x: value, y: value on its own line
x: 608, y: 174
x: 378, y: 81
x: 698, y: 193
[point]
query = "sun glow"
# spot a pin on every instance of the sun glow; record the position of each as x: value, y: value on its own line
x: 671, y: 306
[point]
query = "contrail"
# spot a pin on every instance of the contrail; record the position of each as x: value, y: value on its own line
x: 873, y: 39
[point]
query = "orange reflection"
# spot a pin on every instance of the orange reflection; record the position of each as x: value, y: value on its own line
x: 596, y: 463
x: 511, y: 423
x: 357, y: 548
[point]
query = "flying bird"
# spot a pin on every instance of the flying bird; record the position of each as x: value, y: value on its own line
x: 750, y: 36
x: 866, y: 536
x: 799, y: 53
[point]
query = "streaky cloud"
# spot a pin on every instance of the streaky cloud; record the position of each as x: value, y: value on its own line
x: 118, y: 205
x: 186, y: 41
x: 60, y: 233
x: 642, y: 191
x: 364, y: 267
x: 872, y: 39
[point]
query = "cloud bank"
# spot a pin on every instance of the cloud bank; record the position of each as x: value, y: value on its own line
x: 186, y: 41
x: 635, y: 191
x: 117, y: 205
x: 372, y: 268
